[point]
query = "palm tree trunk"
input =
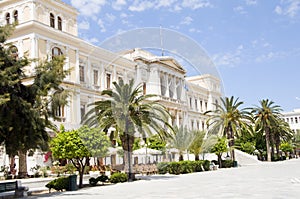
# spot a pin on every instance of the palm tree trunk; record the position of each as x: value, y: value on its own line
x: 230, y: 138
x: 127, y: 145
x: 22, y: 164
x: 268, y: 145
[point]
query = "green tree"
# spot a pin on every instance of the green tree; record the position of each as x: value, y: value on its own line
x: 266, y: 116
x: 281, y: 132
x: 96, y: 141
x: 219, y: 148
x: 228, y: 120
x: 155, y: 142
x: 132, y: 114
x: 25, y: 108
x: 296, y: 139
x: 286, y: 147
x: 181, y: 140
x: 78, y: 145
x: 196, y: 146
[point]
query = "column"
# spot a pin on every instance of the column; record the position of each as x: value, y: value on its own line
x: 77, y: 67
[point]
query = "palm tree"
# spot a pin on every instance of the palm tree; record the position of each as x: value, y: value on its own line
x: 266, y: 116
x: 281, y: 132
x: 228, y: 120
x: 132, y: 114
x: 181, y: 140
x: 196, y: 146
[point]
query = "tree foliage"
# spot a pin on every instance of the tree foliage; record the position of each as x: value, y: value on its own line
x: 219, y: 148
x: 197, y: 146
x: 228, y: 120
x: 181, y: 140
x: 24, y: 99
x: 78, y: 145
x: 131, y: 113
x: 266, y: 116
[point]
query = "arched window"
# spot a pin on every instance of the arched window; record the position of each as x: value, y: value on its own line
x: 52, y: 20
x: 7, y: 17
x: 56, y: 52
x: 14, y: 52
x: 16, y: 16
x: 59, y: 23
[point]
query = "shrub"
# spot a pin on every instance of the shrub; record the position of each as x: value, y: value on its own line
x: 163, y: 167
x: 187, y: 166
x: 118, y: 177
x: 206, y: 165
x: 58, y: 184
x: 174, y: 168
x: 227, y: 163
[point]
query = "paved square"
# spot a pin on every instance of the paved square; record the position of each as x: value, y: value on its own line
x: 266, y: 180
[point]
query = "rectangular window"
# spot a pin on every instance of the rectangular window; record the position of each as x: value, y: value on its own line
x: 81, y: 73
x: 190, y: 102
x: 60, y: 113
x: 201, y: 105
x: 96, y: 77
x: 196, y: 104
x: 108, y: 80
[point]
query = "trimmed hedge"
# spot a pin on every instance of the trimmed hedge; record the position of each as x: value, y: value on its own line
x: 58, y: 184
x: 183, y: 167
x: 118, y: 177
x: 227, y: 163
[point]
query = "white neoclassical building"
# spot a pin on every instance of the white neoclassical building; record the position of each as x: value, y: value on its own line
x: 49, y: 27
x: 293, y: 119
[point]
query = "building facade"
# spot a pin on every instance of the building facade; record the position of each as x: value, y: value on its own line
x: 48, y: 28
x: 293, y: 119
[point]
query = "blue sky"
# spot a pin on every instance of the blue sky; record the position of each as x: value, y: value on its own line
x: 255, y: 44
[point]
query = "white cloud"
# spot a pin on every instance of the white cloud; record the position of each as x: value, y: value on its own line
x: 251, y: 2
x: 88, y: 7
x: 165, y: 3
x: 195, y: 30
x: 195, y: 4
x: 139, y: 5
x: 186, y: 20
x: 110, y: 17
x: 92, y: 40
x: 118, y: 4
x: 230, y: 59
x: 271, y: 56
x: 84, y: 25
x: 101, y: 25
x: 240, y: 9
x: 123, y: 15
x: 288, y: 8
x: 173, y: 5
x: 278, y: 10
x: 177, y: 8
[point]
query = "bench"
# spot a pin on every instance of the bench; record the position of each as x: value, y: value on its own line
x: 13, y: 187
x: 213, y: 166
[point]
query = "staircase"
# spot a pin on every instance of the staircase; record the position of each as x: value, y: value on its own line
x: 244, y: 159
